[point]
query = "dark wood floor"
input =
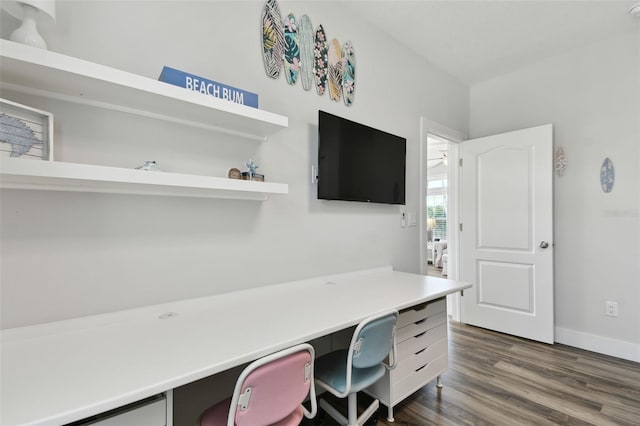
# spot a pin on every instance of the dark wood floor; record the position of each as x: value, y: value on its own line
x: 496, y: 379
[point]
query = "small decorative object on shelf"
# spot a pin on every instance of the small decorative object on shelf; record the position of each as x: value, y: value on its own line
x: 30, y: 12
x: 208, y: 87
x: 25, y: 132
x: 254, y: 177
x: 251, y: 173
x: 234, y: 173
x: 150, y: 166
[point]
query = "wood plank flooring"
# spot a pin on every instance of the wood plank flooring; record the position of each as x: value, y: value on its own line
x: 496, y: 379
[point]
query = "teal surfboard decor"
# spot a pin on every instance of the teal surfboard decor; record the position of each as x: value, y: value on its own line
x: 607, y: 175
x: 335, y: 70
x: 272, y: 39
x: 320, y: 60
x: 291, y: 49
x: 348, y: 73
x: 305, y: 42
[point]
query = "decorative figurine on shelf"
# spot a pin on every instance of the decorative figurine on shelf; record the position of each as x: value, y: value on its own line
x: 251, y: 174
x: 150, y: 166
x: 251, y: 166
x: 234, y: 173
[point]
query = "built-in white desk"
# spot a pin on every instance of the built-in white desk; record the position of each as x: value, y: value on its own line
x: 65, y: 371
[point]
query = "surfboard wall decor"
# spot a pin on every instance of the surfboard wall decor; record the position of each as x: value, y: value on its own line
x: 305, y: 43
x: 607, y: 175
x: 291, y: 50
x: 335, y: 70
x: 272, y: 39
x: 320, y: 60
x: 304, y: 54
x: 348, y: 73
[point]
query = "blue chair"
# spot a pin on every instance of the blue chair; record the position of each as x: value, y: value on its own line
x: 345, y: 372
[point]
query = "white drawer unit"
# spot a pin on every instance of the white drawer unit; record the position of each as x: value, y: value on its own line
x: 421, y: 340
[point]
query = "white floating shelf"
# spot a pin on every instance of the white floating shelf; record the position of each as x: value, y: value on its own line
x: 49, y: 74
x: 59, y: 176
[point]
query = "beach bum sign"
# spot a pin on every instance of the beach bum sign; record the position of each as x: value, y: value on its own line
x: 208, y: 87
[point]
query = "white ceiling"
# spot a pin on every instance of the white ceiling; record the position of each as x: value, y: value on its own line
x: 478, y: 40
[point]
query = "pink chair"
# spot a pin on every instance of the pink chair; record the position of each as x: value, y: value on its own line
x: 269, y: 392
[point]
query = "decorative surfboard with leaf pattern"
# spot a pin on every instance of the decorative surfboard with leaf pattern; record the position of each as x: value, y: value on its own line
x: 305, y: 41
x: 291, y: 49
x: 335, y: 70
x: 320, y: 60
x: 348, y: 73
x: 272, y: 39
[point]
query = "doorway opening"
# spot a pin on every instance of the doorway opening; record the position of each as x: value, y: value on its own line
x: 437, y: 194
x: 439, y: 177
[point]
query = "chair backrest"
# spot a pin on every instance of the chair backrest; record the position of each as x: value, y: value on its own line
x: 373, y: 342
x: 273, y: 387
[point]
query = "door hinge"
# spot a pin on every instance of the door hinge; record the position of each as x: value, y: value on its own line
x: 461, y: 162
x: 460, y: 227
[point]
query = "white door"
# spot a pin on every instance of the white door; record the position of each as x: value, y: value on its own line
x: 506, y: 243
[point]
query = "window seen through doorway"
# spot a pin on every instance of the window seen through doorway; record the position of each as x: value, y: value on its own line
x: 436, y: 197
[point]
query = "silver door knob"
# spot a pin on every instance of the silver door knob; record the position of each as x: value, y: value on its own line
x: 544, y: 244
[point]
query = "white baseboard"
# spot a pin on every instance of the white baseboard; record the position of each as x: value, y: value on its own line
x: 603, y: 345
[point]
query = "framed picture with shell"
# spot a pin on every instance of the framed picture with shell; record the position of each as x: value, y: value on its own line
x: 25, y: 132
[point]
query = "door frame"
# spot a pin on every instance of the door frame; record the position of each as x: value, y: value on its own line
x: 427, y: 127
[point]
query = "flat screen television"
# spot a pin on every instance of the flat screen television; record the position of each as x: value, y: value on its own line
x: 359, y: 163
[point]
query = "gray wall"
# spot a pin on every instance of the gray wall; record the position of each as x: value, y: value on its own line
x: 592, y: 97
x: 71, y: 254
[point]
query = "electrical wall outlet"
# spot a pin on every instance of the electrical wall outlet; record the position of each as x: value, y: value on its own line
x: 611, y: 309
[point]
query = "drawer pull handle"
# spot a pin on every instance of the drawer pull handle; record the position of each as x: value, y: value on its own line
x: 421, y: 368
x: 420, y: 351
x: 417, y: 336
x: 420, y: 322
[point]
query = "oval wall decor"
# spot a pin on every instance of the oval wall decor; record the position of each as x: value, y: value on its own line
x: 272, y: 39
x: 335, y: 70
x: 607, y: 175
x: 305, y: 42
x: 291, y: 49
x: 348, y: 73
x: 321, y: 60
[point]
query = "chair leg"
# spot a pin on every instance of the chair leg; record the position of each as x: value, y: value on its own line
x: 368, y: 413
x: 337, y: 416
x: 352, y: 404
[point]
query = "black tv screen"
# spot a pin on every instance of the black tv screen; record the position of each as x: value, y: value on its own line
x: 359, y: 163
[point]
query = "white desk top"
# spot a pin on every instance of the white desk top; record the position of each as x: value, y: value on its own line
x: 64, y: 371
